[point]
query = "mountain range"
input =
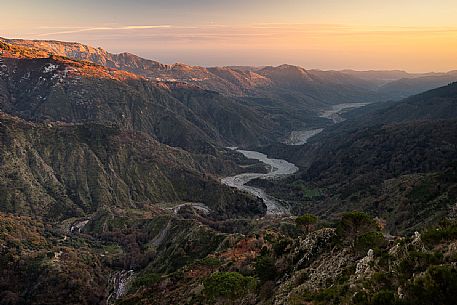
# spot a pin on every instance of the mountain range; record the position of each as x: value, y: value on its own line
x: 271, y: 82
x: 111, y: 193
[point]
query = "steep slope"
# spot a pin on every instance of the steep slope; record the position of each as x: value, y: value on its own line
x: 314, y: 88
x: 386, y: 151
x: 59, y: 170
x: 235, y: 121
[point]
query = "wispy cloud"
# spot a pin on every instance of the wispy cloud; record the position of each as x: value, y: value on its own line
x: 73, y: 30
x: 291, y: 31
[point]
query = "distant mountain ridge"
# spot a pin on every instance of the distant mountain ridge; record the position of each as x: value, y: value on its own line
x: 315, y: 89
x: 406, y: 87
x: 352, y: 86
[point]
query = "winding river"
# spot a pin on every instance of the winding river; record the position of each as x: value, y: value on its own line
x: 281, y: 168
x: 335, y: 112
x: 277, y: 169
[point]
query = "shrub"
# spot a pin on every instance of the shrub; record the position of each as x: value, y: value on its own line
x: 229, y: 285
x: 370, y: 240
x: 280, y: 246
x: 210, y: 261
x: 265, y: 268
x: 437, y: 286
x: 331, y: 295
x: 385, y: 297
x: 446, y: 232
x: 360, y: 298
x: 417, y: 262
x: 353, y: 224
x: 305, y: 220
x: 146, y: 280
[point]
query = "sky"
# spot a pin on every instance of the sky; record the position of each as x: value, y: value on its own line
x: 411, y: 35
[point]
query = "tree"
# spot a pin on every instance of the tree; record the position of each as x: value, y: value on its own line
x: 229, y: 285
x: 306, y: 221
x: 353, y: 224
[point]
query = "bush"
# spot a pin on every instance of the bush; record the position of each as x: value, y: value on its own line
x: 306, y: 220
x: 231, y: 285
x: 360, y: 298
x: 146, y: 280
x: 210, y: 261
x: 353, y: 224
x: 331, y: 295
x: 417, y: 262
x: 280, y: 246
x: 446, y: 232
x: 265, y: 268
x: 385, y: 297
x: 370, y: 240
x: 437, y: 286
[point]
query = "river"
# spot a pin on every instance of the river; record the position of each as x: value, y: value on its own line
x: 277, y: 169
x: 281, y: 168
x: 334, y: 113
x: 300, y: 137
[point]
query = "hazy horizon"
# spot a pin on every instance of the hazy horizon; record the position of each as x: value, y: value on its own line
x: 415, y: 36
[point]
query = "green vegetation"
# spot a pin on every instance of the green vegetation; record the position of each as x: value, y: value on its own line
x: 120, y: 151
x: 280, y: 246
x: 370, y: 240
x: 447, y: 231
x: 229, y: 285
x: 265, y: 268
x: 306, y: 221
x: 332, y: 295
x: 209, y: 261
x: 417, y: 262
x: 145, y: 280
x: 305, y: 191
x: 437, y: 286
x: 354, y: 224
x: 384, y: 297
x: 425, y: 191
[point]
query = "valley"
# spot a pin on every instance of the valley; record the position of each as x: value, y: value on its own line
x: 277, y: 169
x: 300, y: 137
x: 126, y: 181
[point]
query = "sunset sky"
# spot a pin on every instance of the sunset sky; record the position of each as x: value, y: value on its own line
x: 414, y: 35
